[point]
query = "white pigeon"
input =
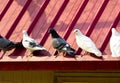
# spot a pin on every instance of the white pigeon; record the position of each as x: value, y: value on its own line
x: 86, y: 43
x: 115, y: 43
x: 30, y: 43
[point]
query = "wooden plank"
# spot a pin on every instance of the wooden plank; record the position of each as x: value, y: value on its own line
x: 26, y: 76
x: 61, y: 65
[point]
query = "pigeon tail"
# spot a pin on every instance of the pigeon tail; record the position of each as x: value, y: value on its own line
x: 2, y: 54
x: 38, y: 48
x: 18, y: 44
x: 10, y: 46
x: 71, y: 51
x: 98, y: 53
x: 113, y: 55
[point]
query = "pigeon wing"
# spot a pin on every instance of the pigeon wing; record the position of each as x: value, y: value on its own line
x: 87, y: 44
x: 58, y: 43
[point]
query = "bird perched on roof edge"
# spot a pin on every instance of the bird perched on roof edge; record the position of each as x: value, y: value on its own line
x: 7, y: 45
x: 60, y: 44
x: 115, y: 43
x: 30, y: 44
x: 86, y: 43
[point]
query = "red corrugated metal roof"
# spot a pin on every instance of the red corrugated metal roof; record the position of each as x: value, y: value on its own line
x: 95, y: 18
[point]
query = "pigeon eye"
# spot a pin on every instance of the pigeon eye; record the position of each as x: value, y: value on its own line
x: 76, y: 30
x: 26, y: 40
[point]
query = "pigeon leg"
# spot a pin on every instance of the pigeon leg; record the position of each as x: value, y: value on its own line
x: 86, y: 53
x: 31, y: 54
x: 57, y: 54
x: 64, y: 54
x: 76, y: 57
x: 27, y: 55
x: 1, y: 54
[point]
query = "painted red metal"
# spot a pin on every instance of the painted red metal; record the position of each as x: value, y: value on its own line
x: 94, y: 18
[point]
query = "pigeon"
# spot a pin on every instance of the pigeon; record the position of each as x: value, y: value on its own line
x: 7, y: 45
x: 86, y: 43
x: 115, y: 43
x: 30, y: 44
x: 60, y: 44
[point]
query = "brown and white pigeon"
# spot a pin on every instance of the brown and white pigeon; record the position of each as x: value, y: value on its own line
x: 30, y: 44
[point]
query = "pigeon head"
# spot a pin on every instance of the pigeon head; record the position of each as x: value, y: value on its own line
x: 114, y: 31
x: 24, y: 33
x: 77, y: 31
x: 53, y: 33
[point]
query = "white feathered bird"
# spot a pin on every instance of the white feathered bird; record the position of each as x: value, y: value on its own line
x: 86, y: 43
x: 30, y: 44
x: 115, y: 43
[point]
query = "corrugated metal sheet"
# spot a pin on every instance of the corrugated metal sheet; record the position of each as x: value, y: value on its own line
x: 95, y: 18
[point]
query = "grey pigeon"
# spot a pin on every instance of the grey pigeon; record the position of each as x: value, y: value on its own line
x: 6, y: 45
x: 60, y: 44
x: 30, y: 44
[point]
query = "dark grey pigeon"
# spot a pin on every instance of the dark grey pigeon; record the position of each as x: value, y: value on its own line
x: 60, y: 44
x: 6, y: 45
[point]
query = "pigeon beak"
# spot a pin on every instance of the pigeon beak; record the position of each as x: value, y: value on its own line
x: 73, y: 31
x: 49, y: 31
x: 24, y: 31
x: 1, y: 36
